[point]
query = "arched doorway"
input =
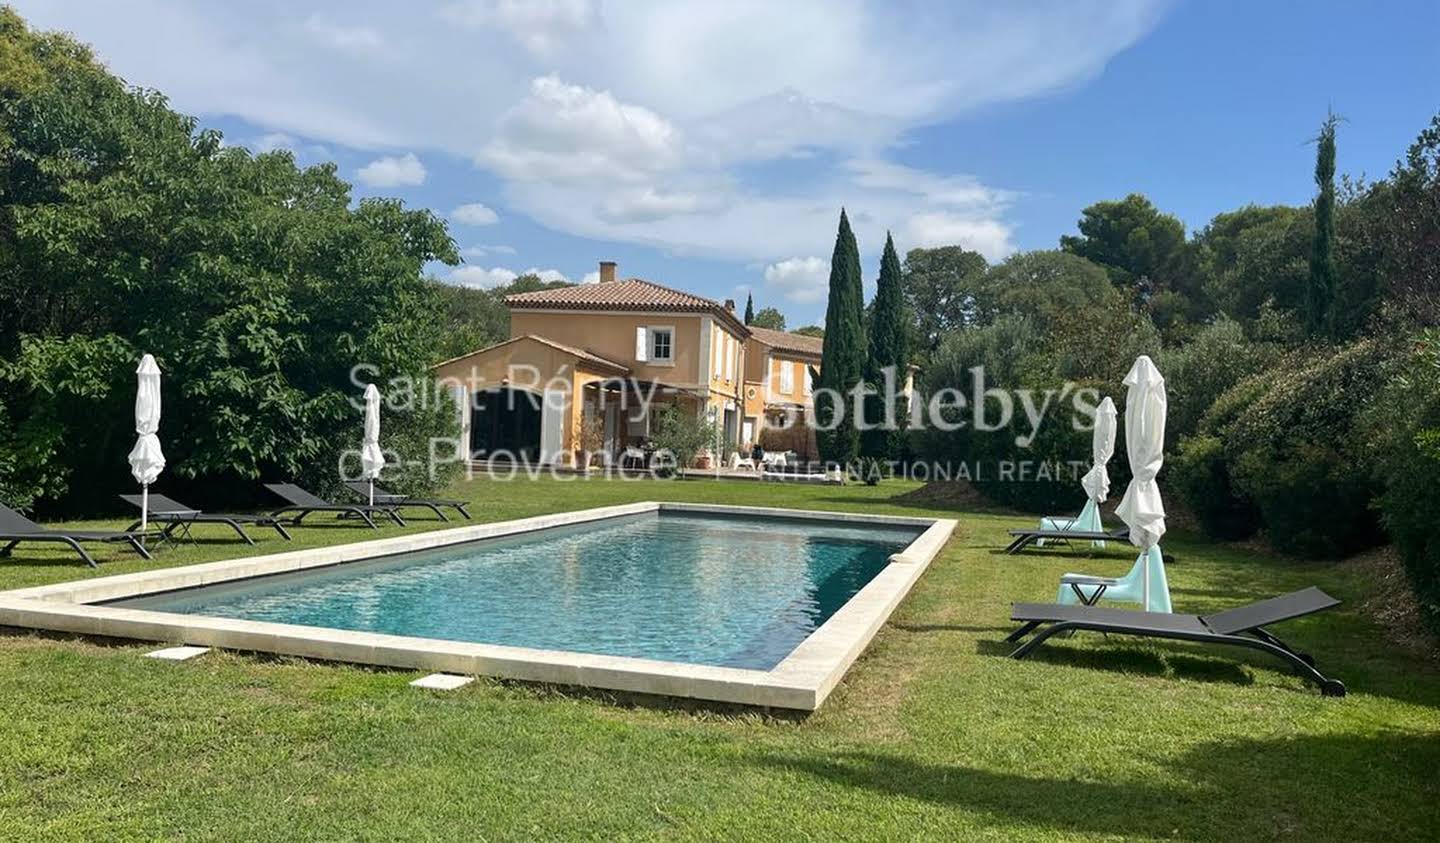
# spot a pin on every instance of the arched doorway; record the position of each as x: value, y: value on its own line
x: 505, y: 422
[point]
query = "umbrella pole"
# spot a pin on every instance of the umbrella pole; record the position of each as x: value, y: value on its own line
x: 1145, y: 578
x: 144, y: 511
x: 372, y: 491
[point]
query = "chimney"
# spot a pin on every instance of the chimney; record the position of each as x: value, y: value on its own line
x: 607, y: 272
x: 730, y: 305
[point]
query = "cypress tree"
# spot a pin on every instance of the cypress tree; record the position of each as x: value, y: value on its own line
x: 1320, y: 295
x: 887, y: 350
x: 749, y: 308
x: 842, y: 360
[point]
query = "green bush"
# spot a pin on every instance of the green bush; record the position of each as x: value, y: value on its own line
x: 1200, y: 472
x: 1200, y: 476
x: 1404, y: 428
x: 1296, y: 452
x: 1199, y: 372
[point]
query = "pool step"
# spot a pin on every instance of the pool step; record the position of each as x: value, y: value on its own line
x: 178, y: 654
x: 443, y: 681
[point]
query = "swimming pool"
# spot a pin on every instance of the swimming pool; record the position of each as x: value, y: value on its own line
x: 749, y: 605
x: 685, y: 587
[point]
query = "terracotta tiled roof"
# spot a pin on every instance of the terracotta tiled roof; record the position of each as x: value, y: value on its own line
x: 786, y: 341
x: 580, y: 353
x: 632, y: 294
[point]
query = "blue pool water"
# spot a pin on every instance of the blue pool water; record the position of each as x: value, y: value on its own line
x: 675, y: 587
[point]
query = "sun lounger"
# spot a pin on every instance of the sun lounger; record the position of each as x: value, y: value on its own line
x: 302, y: 503
x: 1242, y: 627
x: 177, y: 517
x: 16, y: 528
x: 386, y: 498
x: 1025, y: 538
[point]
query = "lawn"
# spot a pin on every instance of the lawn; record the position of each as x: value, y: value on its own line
x: 933, y: 734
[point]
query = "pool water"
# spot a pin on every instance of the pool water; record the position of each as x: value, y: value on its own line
x: 716, y: 590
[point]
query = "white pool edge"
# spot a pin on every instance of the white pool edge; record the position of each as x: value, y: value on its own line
x: 801, y: 681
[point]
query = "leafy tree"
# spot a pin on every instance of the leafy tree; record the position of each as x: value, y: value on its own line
x: 843, y: 354
x: 1402, y: 221
x: 887, y: 333
x: 1142, y: 248
x: 810, y: 331
x: 940, y: 287
x: 768, y: 317
x: 1042, y: 285
x: 749, y: 309
x: 1254, y: 255
x: 683, y: 434
x: 1320, y: 293
x: 474, y: 318
x: 257, y: 286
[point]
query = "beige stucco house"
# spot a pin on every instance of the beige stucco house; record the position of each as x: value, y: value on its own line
x: 579, y: 360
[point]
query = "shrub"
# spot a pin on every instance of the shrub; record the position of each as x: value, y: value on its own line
x: 1295, y: 451
x: 682, y: 434
x: 1200, y: 477
x: 1404, y: 428
x: 1198, y: 373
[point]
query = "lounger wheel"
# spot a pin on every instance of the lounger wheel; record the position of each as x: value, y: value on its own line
x: 1332, y: 688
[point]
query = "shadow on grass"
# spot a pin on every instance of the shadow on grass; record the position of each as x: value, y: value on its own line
x: 1344, y: 787
x: 1165, y: 660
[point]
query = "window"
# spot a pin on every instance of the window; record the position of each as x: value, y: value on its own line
x: 809, y: 381
x: 787, y: 377
x: 661, y: 346
x: 729, y: 358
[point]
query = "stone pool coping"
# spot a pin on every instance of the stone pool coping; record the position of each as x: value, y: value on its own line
x: 801, y: 681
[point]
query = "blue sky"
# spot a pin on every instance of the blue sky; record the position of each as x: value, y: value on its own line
x: 709, y: 145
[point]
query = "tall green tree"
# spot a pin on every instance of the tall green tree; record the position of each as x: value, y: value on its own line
x: 749, y: 308
x: 1320, y: 293
x: 1143, y: 248
x: 889, y: 353
x: 768, y: 317
x: 257, y: 285
x: 940, y: 286
x: 842, y: 362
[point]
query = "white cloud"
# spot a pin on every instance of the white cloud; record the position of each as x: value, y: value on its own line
x: 638, y: 122
x: 475, y: 213
x: 354, y: 39
x: 393, y: 171
x: 486, y: 249
x: 565, y: 133
x: 988, y: 237
x: 271, y: 141
x: 801, y: 280
x: 591, y: 277
x: 541, y: 26
x: 479, y: 276
x: 547, y: 274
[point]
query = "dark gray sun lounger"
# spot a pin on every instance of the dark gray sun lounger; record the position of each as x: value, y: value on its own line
x: 16, y: 528
x: 386, y: 498
x: 1025, y: 538
x: 1242, y: 627
x: 302, y: 503
x: 177, y: 516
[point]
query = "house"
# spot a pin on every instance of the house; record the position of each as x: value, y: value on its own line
x: 586, y: 369
x: 778, y: 386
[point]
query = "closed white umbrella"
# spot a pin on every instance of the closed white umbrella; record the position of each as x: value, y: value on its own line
x: 1102, y: 447
x: 372, y: 459
x: 146, y: 458
x: 1141, y: 508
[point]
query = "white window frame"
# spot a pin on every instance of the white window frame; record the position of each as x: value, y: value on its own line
x: 650, y: 333
x: 787, y: 377
x: 729, y: 358
x: 809, y: 381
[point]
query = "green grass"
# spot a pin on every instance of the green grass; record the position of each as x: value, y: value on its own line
x: 933, y: 734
